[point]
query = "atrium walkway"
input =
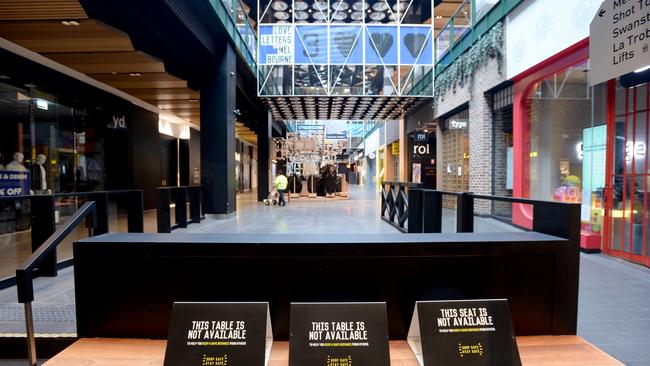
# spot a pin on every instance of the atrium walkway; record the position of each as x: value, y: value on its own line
x: 359, y: 214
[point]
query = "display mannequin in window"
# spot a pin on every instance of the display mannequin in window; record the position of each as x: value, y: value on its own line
x: 40, y: 175
x: 16, y: 165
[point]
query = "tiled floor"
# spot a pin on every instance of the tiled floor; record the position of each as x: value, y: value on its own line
x: 614, y: 305
x: 359, y: 214
x: 614, y: 308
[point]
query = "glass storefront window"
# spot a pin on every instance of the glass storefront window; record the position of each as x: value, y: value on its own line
x: 567, y: 142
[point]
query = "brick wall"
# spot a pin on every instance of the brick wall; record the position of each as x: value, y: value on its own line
x: 480, y: 126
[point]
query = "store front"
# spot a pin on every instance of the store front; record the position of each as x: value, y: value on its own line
x: 580, y: 144
x: 455, y: 154
x: 61, y: 135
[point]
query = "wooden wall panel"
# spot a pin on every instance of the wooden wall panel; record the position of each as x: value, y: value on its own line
x: 41, y: 9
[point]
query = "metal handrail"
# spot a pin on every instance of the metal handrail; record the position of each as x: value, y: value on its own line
x: 25, y: 272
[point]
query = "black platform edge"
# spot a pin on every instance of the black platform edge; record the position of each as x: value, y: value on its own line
x: 11, y: 281
x: 590, y: 251
x: 46, y: 347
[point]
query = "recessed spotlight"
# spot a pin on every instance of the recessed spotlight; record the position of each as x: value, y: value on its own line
x: 135, y: 74
x: 69, y: 23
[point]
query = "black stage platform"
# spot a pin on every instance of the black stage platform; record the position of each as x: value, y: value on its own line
x: 126, y: 283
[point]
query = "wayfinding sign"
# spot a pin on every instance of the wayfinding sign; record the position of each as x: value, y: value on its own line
x: 463, y: 333
x: 219, y: 334
x: 618, y: 39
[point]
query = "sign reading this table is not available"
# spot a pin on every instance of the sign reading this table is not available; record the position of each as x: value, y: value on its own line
x: 338, y: 334
x: 219, y: 334
x: 619, y: 38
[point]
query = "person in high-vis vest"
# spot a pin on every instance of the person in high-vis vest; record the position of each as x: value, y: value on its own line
x: 281, y: 183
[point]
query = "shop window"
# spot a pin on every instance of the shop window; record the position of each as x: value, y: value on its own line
x: 455, y: 155
x: 502, y: 154
x: 567, y: 142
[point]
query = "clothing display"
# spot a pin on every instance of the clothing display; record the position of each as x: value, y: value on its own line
x: 16, y: 165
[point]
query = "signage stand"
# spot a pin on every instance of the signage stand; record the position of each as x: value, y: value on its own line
x: 468, y: 332
x: 219, y: 334
x: 339, y: 334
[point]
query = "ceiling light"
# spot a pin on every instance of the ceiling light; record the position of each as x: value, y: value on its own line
x: 69, y: 23
x: 642, y: 69
x: 135, y: 74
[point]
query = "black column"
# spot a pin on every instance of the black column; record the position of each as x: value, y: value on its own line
x: 263, y: 152
x: 218, y: 106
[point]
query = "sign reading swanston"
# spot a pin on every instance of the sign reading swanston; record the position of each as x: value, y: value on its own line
x: 619, y: 37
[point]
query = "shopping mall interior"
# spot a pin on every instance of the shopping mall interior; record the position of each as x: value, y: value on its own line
x: 317, y: 182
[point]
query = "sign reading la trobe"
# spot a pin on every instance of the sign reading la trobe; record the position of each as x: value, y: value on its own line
x: 619, y: 38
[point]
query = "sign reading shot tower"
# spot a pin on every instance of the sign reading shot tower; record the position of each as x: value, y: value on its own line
x: 219, y: 334
x: 618, y: 39
x: 338, y: 334
x: 456, y: 333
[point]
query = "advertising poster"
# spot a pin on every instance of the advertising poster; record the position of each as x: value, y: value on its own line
x: 14, y: 183
x: 417, y: 173
x: 276, y: 45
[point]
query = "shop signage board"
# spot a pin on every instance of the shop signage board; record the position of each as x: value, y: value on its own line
x: 468, y: 332
x: 338, y: 334
x: 14, y: 183
x: 219, y: 334
x: 619, y: 38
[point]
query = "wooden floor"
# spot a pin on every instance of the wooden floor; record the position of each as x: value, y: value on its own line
x: 535, y: 351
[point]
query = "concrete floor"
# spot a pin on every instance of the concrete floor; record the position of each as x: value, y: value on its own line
x: 614, y: 298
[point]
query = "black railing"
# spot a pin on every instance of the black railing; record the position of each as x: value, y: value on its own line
x: 43, y: 217
x: 26, y: 272
x: 180, y: 196
x: 396, y: 203
x: 553, y: 218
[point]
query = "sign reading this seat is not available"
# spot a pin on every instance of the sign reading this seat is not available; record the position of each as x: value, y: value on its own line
x: 455, y: 333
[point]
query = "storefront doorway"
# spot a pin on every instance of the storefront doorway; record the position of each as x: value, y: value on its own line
x: 627, y: 226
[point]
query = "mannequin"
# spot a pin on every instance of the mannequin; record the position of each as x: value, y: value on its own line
x: 16, y: 165
x: 40, y: 175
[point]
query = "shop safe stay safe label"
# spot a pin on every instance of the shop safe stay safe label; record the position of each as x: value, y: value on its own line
x: 219, y: 334
x: 455, y: 333
x: 338, y: 334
